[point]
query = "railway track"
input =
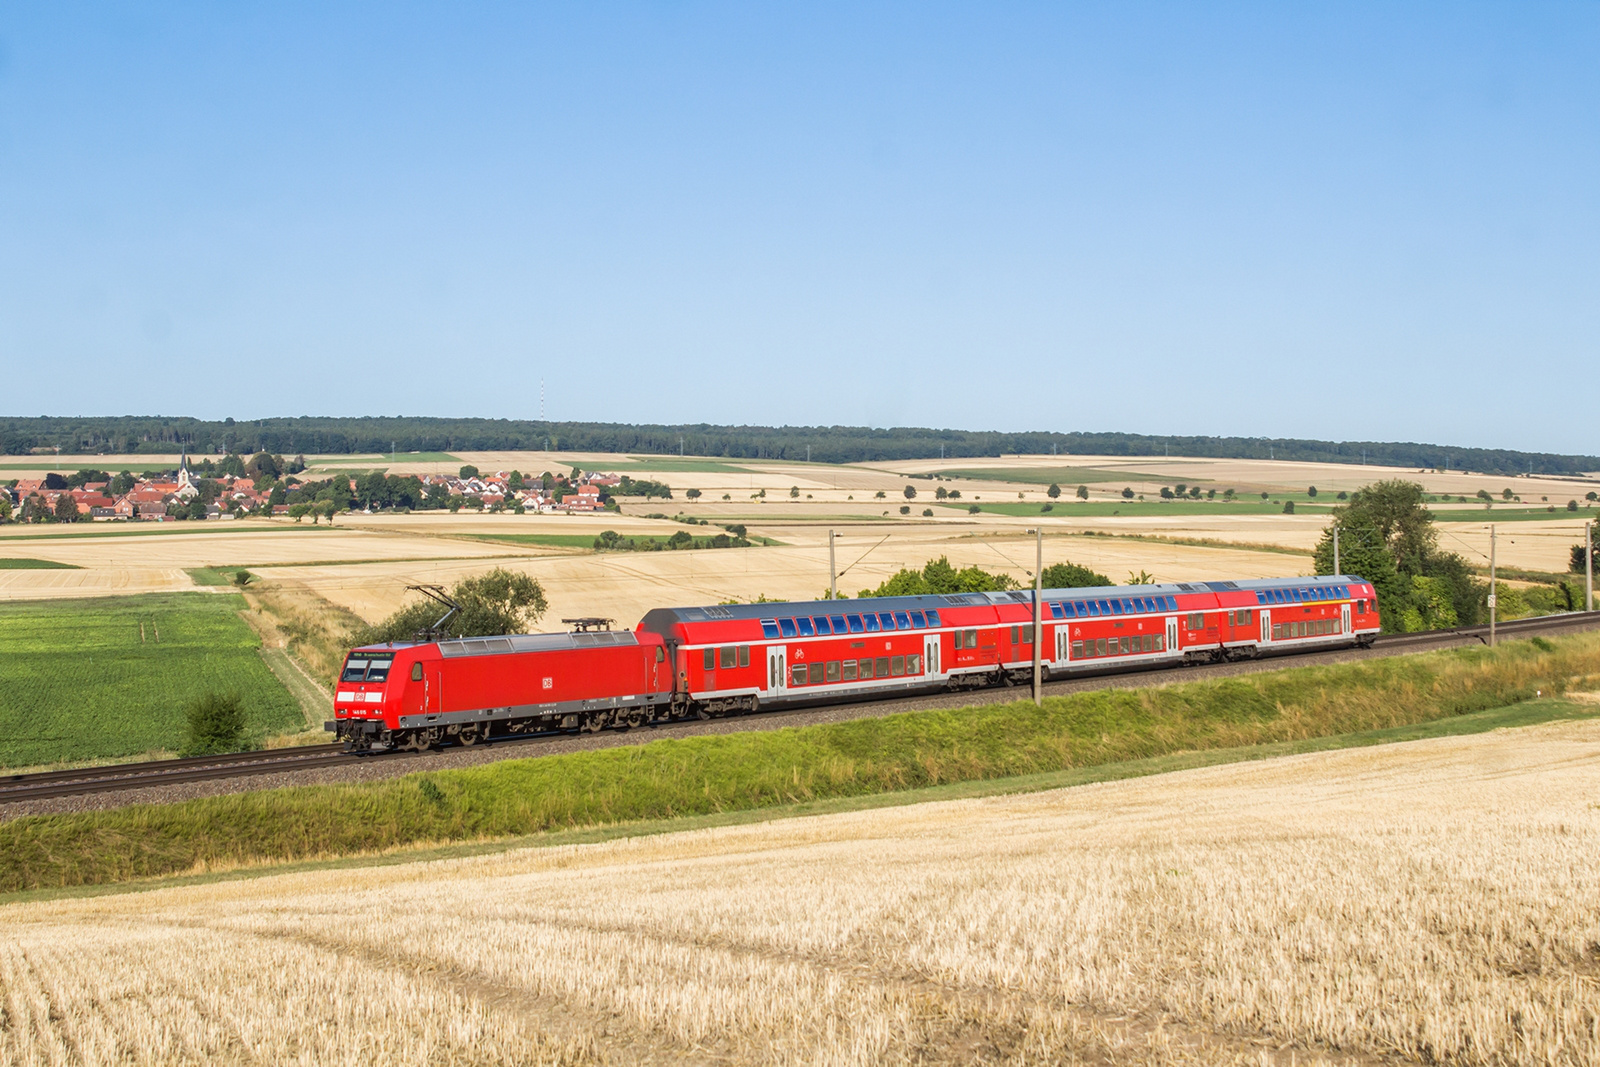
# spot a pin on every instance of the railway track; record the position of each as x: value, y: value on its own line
x: 122, y: 776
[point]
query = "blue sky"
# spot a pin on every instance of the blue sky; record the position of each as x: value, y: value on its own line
x: 1318, y: 220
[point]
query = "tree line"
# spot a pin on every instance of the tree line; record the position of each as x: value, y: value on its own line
x: 829, y: 444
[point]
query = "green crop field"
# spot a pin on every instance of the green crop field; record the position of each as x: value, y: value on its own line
x: 1045, y: 475
x: 688, y: 464
x: 81, y: 682
x: 35, y: 565
x: 1071, y: 509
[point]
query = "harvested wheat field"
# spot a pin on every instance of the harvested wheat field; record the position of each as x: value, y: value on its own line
x: 1436, y: 901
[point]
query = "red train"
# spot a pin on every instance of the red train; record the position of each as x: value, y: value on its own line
x: 701, y: 662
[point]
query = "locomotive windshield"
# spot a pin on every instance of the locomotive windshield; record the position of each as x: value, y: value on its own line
x: 367, y: 668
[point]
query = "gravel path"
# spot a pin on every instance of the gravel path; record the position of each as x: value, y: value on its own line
x: 378, y: 768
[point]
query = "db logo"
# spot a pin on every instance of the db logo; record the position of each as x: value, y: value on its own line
x: 549, y: 683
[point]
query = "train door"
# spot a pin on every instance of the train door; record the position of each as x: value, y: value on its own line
x: 1172, y: 634
x: 1266, y: 626
x: 1344, y: 618
x: 930, y: 654
x: 1063, y: 645
x: 777, y: 671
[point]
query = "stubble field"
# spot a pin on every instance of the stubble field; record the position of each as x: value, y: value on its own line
x: 1428, y: 902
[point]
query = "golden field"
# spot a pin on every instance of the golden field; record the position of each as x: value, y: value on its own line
x: 364, y: 563
x: 1435, y: 901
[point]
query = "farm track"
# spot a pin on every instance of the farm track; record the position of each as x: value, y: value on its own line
x: 158, y: 773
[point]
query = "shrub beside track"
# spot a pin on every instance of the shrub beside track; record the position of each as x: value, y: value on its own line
x: 732, y: 772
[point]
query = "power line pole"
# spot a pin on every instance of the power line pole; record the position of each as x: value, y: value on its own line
x: 1336, y: 569
x: 833, y: 570
x: 1588, y: 565
x: 1493, y: 599
x: 1038, y: 613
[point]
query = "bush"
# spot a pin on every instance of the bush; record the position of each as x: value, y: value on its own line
x: 215, y: 723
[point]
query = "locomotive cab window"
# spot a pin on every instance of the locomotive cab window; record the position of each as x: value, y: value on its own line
x: 416, y: 672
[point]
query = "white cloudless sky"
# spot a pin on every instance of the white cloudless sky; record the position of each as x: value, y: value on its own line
x: 1289, y: 220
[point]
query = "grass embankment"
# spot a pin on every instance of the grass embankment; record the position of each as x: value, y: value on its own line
x: 36, y: 565
x: 97, y: 679
x: 740, y: 772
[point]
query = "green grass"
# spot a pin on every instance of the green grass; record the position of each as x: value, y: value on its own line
x: 1066, y: 477
x: 688, y: 464
x: 36, y: 565
x: 747, y: 772
x: 1517, y: 514
x: 1071, y: 508
x: 551, y: 540
x: 211, y: 575
x: 80, y: 684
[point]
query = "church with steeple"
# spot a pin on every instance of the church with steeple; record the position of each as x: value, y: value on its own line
x: 187, y: 490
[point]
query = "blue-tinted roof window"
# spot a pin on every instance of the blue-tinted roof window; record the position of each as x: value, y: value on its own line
x: 917, y: 620
x: 1094, y: 609
x: 838, y: 624
x: 886, y: 619
x: 933, y: 617
x: 821, y: 623
x: 1116, y: 606
x: 855, y: 623
x: 872, y: 621
x: 769, y: 628
x: 1056, y: 611
x: 787, y: 626
x: 806, y: 629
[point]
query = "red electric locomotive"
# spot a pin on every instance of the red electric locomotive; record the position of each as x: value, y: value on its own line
x: 732, y: 658
x: 418, y: 696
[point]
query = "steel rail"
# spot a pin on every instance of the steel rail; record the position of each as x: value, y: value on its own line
x: 122, y: 776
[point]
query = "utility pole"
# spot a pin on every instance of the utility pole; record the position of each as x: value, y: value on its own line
x: 1588, y: 565
x: 1038, y: 613
x: 833, y: 570
x: 1336, y: 569
x: 1492, y: 597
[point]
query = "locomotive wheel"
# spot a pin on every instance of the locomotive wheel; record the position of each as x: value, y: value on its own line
x: 470, y: 735
x: 422, y: 741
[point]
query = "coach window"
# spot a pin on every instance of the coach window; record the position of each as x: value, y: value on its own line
x: 855, y: 623
x: 821, y: 623
x: 881, y: 666
x: 913, y: 664
x: 1361, y: 607
x: 1246, y: 617
x: 917, y: 620
x: 1055, y: 610
x: 730, y: 656
x: 1016, y: 635
x: 1116, y: 607
x: 902, y: 621
x: 1080, y: 609
x: 816, y: 673
x: 769, y: 629
x: 886, y: 619
x: 797, y: 674
x: 787, y: 627
x: 1197, y: 621
x: 833, y: 670
x: 806, y: 629
x: 849, y: 670
x: 1027, y: 634
x: 967, y: 639
x: 744, y: 655
x: 839, y: 626
x: 866, y: 668
x: 1100, y: 646
x: 709, y: 660
x: 1077, y: 650
x: 933, y: 618
x: 872, y: 622
x: 897, y: 666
